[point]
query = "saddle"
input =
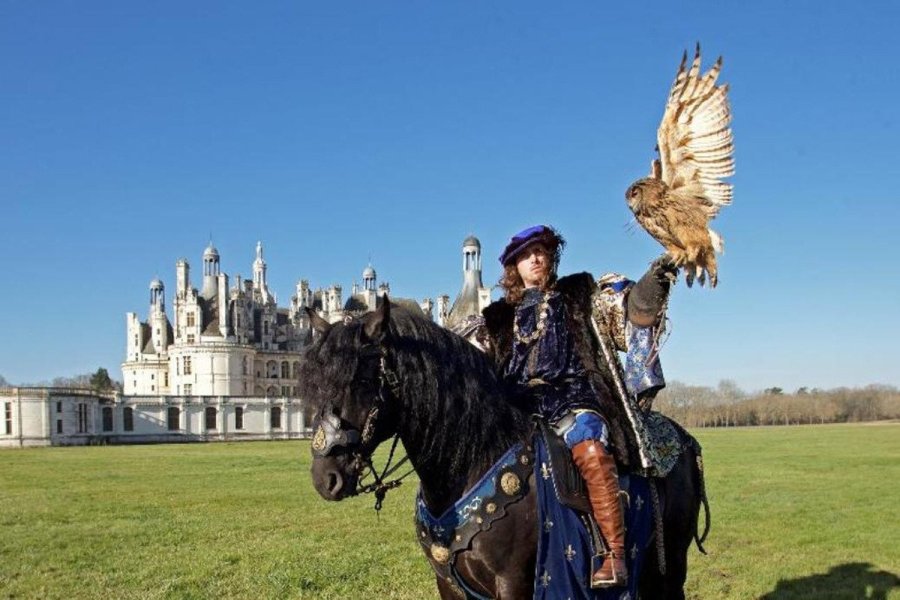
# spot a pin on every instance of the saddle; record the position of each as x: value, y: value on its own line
x: 567, y: 480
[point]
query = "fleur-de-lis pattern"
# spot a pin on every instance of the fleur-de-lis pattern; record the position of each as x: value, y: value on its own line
x: 567, y: 553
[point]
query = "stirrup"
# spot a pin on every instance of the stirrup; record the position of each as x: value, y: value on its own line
x: 614, y: 578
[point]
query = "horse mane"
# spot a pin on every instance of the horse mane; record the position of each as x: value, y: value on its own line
x: 458, y: 420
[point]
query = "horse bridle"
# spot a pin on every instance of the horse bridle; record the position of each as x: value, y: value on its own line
x: 329, y: 436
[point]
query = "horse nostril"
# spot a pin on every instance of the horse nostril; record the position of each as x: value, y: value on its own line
x: 335, y: 483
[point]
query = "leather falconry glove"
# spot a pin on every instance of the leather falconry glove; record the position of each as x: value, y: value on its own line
x: 647, y: 298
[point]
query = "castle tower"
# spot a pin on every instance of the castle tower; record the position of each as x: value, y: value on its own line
x: 159, y: 325
x: 473, y: 297
x: 472, y: 261
x: 182, y: 278
x: 443, y: 309
x: 210, y: 272
x: 369, y: 293
x: 157, y: 297
x: 260, y: 287
x: 427, y: 306
x: 369, y: 279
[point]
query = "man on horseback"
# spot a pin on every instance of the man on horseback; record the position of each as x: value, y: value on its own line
x: 551, y: 338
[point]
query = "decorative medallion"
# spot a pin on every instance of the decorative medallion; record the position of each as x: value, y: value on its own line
x: 510, y: 483
x: 491, y: 508
x: 318, y: 443
x: 440, y: 554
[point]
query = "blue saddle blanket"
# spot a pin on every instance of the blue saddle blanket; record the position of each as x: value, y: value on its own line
x: 566, y: 553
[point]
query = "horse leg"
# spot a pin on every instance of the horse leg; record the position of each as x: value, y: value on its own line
x: 652, y: 582
x: 680, y: 513
x: 445, y: 590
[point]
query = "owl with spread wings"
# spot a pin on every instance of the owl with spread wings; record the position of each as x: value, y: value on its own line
x: 685, y: 189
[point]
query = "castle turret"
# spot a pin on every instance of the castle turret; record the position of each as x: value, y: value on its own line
x: 369, y: 278
x: 369, y: 283
x: 159, y: 324
x: 157, y: 296
x: 210, y: 272
x: 473, y: 297
x: 472, y: 262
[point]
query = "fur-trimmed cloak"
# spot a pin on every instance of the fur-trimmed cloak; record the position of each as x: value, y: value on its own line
x: 605, y: 375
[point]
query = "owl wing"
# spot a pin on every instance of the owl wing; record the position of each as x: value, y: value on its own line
x: 696, y: 147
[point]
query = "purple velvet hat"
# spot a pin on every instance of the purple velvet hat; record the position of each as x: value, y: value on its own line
x: 537, y: 233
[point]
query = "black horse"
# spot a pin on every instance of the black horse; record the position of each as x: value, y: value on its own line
x: 392, y: 372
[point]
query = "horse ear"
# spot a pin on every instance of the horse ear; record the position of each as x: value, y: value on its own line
x: 377, y: 322
x: 318, y: 324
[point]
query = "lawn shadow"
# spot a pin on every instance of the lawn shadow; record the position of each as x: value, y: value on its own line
x: 850, y: 580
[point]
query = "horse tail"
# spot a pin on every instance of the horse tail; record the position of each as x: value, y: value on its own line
x: 701, y: 487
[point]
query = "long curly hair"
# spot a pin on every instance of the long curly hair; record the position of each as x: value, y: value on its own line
x: 511, y: 281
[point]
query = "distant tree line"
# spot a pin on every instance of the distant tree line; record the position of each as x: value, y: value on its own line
x: 728, y: 406
x: 98, y: 381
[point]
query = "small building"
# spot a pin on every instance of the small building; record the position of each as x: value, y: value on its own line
x: 74, y: 417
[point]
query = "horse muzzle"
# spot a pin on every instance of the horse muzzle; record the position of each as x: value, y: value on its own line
x: 335, y: 477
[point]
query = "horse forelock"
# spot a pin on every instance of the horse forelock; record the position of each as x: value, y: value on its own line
x: 329, y: 366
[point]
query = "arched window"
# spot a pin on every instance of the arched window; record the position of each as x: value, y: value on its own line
x: 271, y: 369
x: 107, y: 418
x: 276, y: 417
x: 210, y: 418
x: 285, y: 370
x: 173, y: 418
x: 271, y: 391
x: 128, y: 419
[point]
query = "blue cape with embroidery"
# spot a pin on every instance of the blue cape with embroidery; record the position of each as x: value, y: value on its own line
x: 566, y: 556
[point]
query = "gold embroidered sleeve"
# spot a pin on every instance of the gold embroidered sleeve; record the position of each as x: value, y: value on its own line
x: 609, y: 307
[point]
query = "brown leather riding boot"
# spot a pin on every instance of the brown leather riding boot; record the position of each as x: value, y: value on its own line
x: 598, y: 468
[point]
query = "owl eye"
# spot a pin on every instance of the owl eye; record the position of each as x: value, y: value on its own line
x: 633, y: 192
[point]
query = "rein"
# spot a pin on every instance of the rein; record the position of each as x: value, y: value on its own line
x: 329, y: 436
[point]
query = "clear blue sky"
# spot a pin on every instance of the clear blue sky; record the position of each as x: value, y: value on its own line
x: 131, y: 133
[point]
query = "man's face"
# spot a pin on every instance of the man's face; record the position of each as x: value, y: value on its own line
x: 533, y: 264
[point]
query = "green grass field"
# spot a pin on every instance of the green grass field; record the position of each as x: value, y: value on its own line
x: 798, y: 512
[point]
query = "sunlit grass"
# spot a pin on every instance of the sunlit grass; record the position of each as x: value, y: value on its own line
x: 796, y: 505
